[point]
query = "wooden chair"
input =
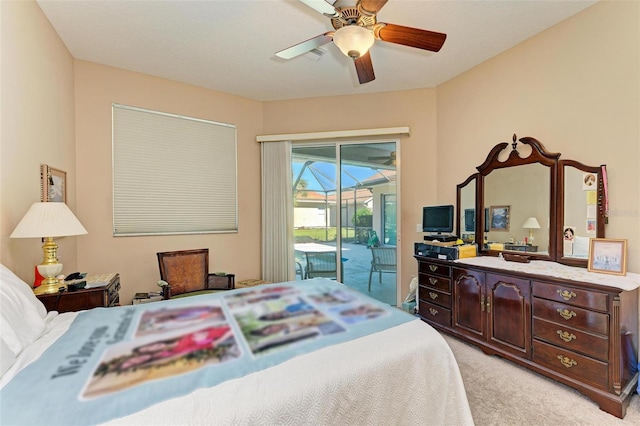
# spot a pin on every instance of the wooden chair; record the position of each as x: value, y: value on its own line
x: 186, y: 271
x: 384, y: 260
x: 321, y: 264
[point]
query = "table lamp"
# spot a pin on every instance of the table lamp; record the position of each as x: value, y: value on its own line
x: 531, y: 223
x: 48, y: 220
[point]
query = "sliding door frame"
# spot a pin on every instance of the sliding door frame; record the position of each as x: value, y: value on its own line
x: 338, y: 144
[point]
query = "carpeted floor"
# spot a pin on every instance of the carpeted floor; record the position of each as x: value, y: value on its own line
x: 503, y: 393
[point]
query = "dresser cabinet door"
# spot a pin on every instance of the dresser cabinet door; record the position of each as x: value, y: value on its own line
x: 469, y: 309
x: 509, y: 313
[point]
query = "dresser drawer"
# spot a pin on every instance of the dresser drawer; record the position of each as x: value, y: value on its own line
x: 569, y: 363
x: 561, y: 313
x: 434, y: 313
x: 441, y: 283
x: 435, y: 268
x: 571, y: 295
x: 432, y: 295
x: 586, y: 343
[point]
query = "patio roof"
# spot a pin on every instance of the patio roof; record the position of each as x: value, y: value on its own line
x: 320, y: 176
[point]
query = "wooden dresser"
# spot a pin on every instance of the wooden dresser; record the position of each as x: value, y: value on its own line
x: 105, y: 296
x: 559, y: 321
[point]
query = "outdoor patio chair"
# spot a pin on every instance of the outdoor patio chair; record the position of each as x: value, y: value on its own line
x: 321, y: 264
x: 186, y: 271
x: 384, y: 260
x: 299, y: 270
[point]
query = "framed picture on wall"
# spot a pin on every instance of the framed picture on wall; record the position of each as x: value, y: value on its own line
x: 499, y: 218
x: 53, y: 184
x: 608, y: 256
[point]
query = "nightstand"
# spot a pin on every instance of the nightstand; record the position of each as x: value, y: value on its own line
x: 221, y: 282
x: 103, y: 296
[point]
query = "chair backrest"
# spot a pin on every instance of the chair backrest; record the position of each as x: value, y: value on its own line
x: 321, y: 264
x: 185, y: 270
x: 384, y: 258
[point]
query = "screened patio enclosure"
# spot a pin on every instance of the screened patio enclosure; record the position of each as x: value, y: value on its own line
x: 345, y: 202
x: 315, y: 188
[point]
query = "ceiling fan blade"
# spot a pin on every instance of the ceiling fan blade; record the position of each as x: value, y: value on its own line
x: 305, y: 46
x: 412, y: 37
x: 322, y: 7
x: 364, y: 68
x: 371, y: 7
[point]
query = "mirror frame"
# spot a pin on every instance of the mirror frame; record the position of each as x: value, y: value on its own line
x: 459, y: 189
x: 600, y: 214
x: 538, y: 155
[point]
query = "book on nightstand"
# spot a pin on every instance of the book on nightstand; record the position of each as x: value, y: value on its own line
x: 140, y: 298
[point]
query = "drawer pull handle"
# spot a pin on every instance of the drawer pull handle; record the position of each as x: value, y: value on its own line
x: 566, y: 294
x: 566, y: 336
x: 433, y: 295
x: 433, y: 311
x: 433, y: 281
x: 566, y: 361
x: 566, y: 314
x: 433, y: 268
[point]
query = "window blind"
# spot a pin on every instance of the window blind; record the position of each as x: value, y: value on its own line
x: 172, y: 174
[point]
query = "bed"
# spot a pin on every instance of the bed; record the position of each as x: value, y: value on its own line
x: 312, y: 352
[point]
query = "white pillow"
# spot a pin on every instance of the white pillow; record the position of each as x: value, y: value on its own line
x: 7, y: 357
x: 21, y: 313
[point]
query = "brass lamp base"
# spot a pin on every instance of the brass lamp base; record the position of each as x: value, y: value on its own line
x: 50, y: 284
x: 50, y: 268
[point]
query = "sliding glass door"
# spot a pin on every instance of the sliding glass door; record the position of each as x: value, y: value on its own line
x: 345, y: 215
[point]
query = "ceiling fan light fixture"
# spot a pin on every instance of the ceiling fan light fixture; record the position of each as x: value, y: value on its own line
x: 353, y: 40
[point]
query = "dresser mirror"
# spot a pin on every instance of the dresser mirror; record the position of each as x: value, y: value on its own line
x: 466, y: 209
x: 532, y: 203
x: 518, y: 219
x: 580, y: 210
x: 518, y: 187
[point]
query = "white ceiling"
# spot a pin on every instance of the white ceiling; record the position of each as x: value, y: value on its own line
x: 229, y: 45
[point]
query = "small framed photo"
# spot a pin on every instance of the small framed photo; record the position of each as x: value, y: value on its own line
x: 499, y: 218
x: 608, y: 256
x: 589, y: 181
x: 53, y: 184
x: 569, y: 233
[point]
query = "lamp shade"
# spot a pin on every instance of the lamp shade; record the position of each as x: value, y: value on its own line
x: 48, y: 220
x: 353, y: 40
x: 531, y: 223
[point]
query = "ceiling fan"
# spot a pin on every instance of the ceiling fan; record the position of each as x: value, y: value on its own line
x: 390, y: 159
x: 356, y: 29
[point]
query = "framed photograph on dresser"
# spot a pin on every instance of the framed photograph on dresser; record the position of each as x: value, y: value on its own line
x: 608, y: 256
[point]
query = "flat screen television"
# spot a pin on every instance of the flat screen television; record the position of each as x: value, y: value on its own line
x: 437, y: 219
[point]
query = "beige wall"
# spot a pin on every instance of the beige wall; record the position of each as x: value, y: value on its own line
x: 37, y: 116
x: 97, y: 87
x: 574, y: 87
